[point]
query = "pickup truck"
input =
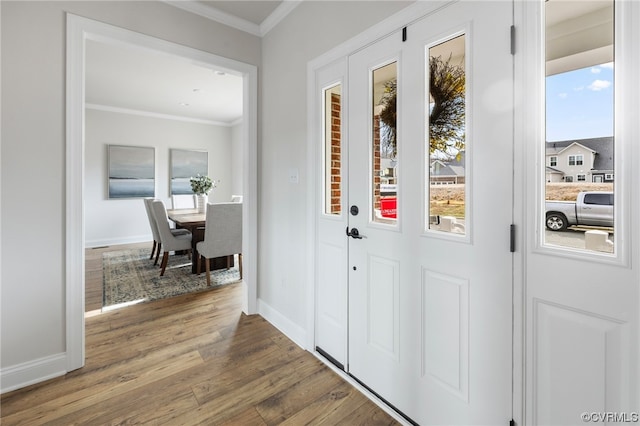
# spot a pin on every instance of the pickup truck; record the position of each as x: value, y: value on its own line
x: 593, y: 208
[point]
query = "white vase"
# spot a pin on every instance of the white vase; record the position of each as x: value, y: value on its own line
x: 201, y: 202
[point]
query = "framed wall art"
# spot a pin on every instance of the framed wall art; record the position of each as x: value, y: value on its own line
x: 184, y: 165
x: 132, y: 171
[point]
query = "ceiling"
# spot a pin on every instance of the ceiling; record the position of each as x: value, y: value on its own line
x: 578, y: 34
x: 139, y: 81
x: 132, y: 80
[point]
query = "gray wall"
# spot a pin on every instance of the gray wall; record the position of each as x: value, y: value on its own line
x: 33, y: 152
x: 124, y: 220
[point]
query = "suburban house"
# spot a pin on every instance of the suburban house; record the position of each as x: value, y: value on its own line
x: 583, y: 160
x: 498, y: 324
x: 448, y: 172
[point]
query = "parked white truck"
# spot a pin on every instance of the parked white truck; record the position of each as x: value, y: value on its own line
x: 591, y: 208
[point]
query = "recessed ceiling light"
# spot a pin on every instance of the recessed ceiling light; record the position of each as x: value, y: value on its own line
x: 184, y: 104
x: 197, y: 90
x: 220, y: 73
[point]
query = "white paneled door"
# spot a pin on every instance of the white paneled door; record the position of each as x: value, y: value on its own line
x: 430, y: 131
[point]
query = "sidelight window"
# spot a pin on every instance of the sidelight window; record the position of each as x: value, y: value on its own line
x: 385, y: 146
x: 446, y: 142
x: 579, y: 58
x: 333, y: 150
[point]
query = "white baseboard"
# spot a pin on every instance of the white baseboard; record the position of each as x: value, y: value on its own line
x: 290, y: 329
x: 117, y: 241
x: 29, y: 373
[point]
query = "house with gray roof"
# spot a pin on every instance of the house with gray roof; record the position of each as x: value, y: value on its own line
x: 447, y: 172
x: 580, y: 160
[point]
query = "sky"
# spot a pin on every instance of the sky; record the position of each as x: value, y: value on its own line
x: 580, y: 103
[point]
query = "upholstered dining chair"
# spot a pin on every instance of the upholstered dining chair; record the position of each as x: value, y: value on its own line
x: 222, y: 235
x: 154, y: 230
x: 183, y: 201
x: 170, y: 241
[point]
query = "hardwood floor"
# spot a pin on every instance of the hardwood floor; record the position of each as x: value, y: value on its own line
x: 191, y: 359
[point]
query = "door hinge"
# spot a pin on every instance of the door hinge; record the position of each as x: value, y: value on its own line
x: 512, y: 238
x: 513, y: 39
x: 404, y: 34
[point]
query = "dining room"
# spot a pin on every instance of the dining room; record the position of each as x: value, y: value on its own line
x: 152, y: 135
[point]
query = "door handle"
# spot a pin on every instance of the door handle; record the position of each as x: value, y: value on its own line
x: 354, y: 233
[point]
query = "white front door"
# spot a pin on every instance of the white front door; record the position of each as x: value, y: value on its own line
x: 430, y: 267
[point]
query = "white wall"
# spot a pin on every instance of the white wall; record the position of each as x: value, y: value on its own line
x: 32, y: 309
x: 120, y: 221
x: 310, y: 30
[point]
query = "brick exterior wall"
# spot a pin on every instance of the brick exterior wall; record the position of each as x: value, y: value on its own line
x: 336, y: 162
x: 336, y: 150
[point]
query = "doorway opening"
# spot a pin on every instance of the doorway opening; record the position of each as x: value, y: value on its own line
x: 183, y: 118
x: 79, y: 30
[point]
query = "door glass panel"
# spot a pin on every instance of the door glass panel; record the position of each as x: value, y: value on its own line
x: 384, y: 145
x: 447, y: 137
x: 579, y: 145
x: 333, y: 150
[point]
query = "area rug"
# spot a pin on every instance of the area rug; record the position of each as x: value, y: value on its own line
x: 130, y: 277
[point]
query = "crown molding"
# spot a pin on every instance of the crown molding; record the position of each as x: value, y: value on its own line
x: 233, y: 21
x: 285, y: 8
x: 217, y: 16
x: 138, y: 112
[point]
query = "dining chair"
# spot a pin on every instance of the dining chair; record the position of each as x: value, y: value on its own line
x: 236, y: 198
x: 170, y: 241
x: 222, y: 235
x: 154, y: 230
x: 183, y: 201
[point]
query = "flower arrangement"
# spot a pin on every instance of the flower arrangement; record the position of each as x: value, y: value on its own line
x: 201, y: 185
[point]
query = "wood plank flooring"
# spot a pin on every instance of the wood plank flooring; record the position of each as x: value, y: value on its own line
x: 187, y: 360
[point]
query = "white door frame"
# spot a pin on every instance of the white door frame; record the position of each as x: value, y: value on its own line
x: 78, y: 30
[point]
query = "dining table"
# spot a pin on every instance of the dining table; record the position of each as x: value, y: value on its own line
x: 195, y: 221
